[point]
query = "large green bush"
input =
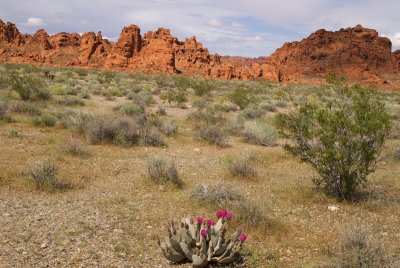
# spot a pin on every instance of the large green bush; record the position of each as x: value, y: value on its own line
x: 341, y: 138
x: 29, y: 86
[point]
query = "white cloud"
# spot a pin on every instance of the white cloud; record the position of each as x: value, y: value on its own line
x: 395, y: 38
x: 237, y: 25
x: 216, y: 23
x: 35, y: 22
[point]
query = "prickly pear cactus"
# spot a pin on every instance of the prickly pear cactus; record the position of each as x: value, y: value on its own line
x: 202, y: 242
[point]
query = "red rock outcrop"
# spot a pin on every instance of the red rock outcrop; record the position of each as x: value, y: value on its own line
x: 357, y: 53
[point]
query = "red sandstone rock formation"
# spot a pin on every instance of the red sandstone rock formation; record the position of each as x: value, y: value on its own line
x: 357, y: 53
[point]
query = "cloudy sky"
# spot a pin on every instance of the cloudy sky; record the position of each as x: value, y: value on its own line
x: 228, y: 27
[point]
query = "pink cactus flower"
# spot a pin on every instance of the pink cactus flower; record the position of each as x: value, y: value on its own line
x: 200, y: 220
x: 229, y: 215
x: 219, y: 214
x: 203, y: 233
x: 210, y: 223
x: 243, y: 237
x: 223, y: 212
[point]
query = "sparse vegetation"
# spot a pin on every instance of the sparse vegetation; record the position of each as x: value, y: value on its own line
x: 242, y: 168
x: 213, y: 135
x: 216, y: 193
x: 45, y: 120
x: 75, y: 147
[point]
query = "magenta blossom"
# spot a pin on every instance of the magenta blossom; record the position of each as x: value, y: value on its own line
x: 229, y: 215
x: 203, y: 233
x: 219, y: 214
x: 224, y: 212
x: 210, y: 223
x: 200, y: 220
x: 243, y: 237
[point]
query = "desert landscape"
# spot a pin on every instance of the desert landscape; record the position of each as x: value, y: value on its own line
x: 103, y: 143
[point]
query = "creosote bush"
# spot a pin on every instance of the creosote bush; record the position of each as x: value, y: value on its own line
x: 44, y: 175
x: 341, y: 139
x: 162, y: 170
x: 29, y: 86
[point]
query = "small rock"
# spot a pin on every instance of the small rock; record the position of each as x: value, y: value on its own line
x: 333, y: 208
x: 44, y: 245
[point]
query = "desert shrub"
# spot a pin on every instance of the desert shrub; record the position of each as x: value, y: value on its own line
x: 260, y: 133
x: 71, y: 102
x: 44, y: 175
x: 169, y: 128
x: 76, y: 121
x: 268, y: 107
x: 75, y: 147
x: 216, y: 193
x: 225, y: 107
x: 81, y: 72
x: 242, y: 97
x: 202, y: 87
x: 162, y: 170
x: 151, y: 136
x: 161, y: 111
x: 205, y: 118
x: 341, y: 139
x: 122, y: 131
x: 26, y: 108
x: 359, y: 249
x: 85, y: 95
x: 45, y: 120
x: 131, y: 109
x: 64, y: 89
x: 242, y: 168
x: 251, y: 113
x: 214, y: 135
x: 174, y: 96
x: 29, y: 86
x: 162, y: 80
x: 182, y: 82
x: 333, y: 78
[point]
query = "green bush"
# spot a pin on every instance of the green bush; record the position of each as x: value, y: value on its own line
x: 341, y: 138
x: 174, y: 96
x: 202, y: 87
x: 45, y: 120
x: 242, y: 97
x: 29, y: 86
x: 131, y: 109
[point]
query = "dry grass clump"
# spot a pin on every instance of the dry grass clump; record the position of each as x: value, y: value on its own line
x: 28, y: 108
x: 75, y: 147
x: 130, y: 109
x: 169, y: 128
x: 242, y: 168
x: 214, y: 135
x: 122, y: 131
x: 71, y: 102
x: 3, y: 109
x: 76, y: 121
x: 260, y: 133
x: 152, y: 136
x: 250, y: 213
x: 216, y: 193
x: 162, y: 170
x: 359, y: 249
x: 44, y: 175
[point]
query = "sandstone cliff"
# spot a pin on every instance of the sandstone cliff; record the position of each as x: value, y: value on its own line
x: 358, y: 53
